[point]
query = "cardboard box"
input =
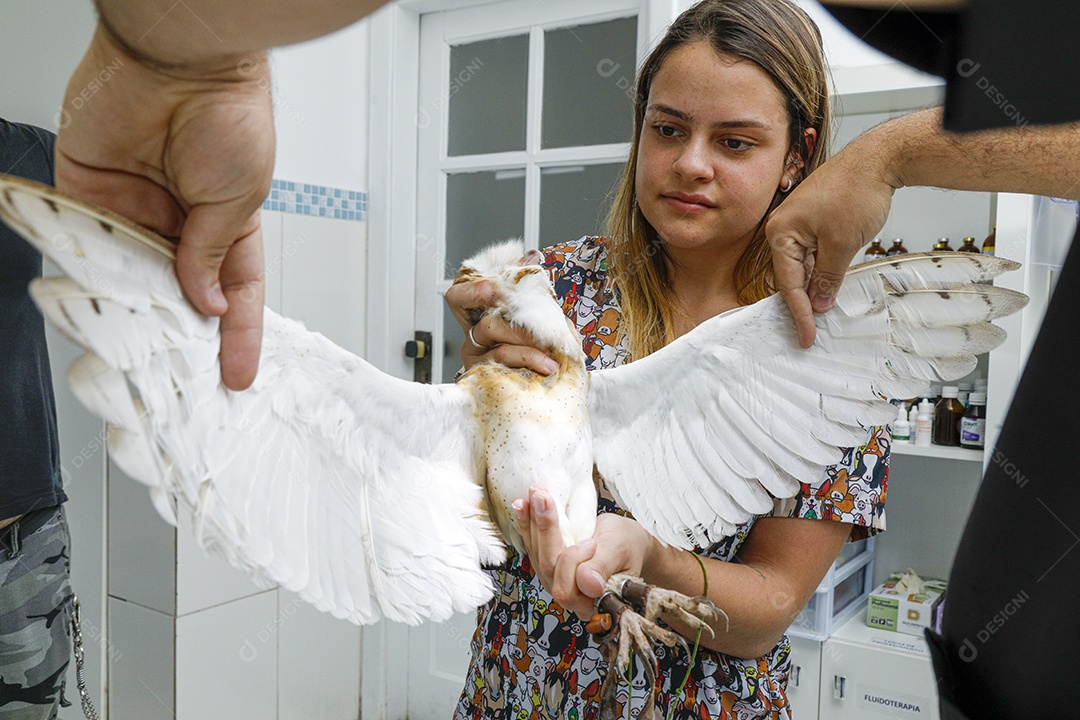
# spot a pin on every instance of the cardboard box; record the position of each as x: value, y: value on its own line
x: 904, y: 603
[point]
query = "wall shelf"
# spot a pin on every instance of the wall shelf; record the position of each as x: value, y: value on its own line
x: 938, y: 451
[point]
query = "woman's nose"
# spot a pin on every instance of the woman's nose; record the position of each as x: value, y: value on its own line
x: 693, y: 161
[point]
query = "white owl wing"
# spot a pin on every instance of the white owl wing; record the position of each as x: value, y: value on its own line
x: 701, y: 435
x: 355, y: 489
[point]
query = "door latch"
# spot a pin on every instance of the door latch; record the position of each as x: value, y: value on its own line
x: 420, y: 350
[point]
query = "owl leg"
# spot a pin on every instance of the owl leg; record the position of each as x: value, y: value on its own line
x: 626, y: 618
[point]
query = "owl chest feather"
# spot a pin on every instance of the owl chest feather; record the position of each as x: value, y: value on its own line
x: 532, y: 429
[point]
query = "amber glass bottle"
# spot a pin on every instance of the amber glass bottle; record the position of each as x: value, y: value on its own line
x: 897, y: 247
x: 969, y: 245
x: 942, y: 245
x: 947, y: 415
x: 874, y: 251
x: 990, y: 242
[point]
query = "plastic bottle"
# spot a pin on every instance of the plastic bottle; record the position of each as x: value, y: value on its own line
x: 901, y: 429
x: 874, y: 251
x: 947, y: 415
x: 924, y: 424
x: 942, y: 244
x: 969, y: 246
x: 964, y: 392
x: 990, y: 242
x: 935, y: 395
x: 897, y: 248
x: 973, y: 423
x: 913, y: 418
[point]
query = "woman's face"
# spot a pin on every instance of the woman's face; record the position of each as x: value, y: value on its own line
x: 713, y: 149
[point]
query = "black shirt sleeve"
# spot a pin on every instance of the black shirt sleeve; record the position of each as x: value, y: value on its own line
x: 1005, y: 63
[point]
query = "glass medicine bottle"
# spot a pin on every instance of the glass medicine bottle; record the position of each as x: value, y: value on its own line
x: 947, y: 415
x: 973, y: 424
x: 990, y: 242
x: 969, y: 246
x: 942, y: 245
x: 897, y: 247
x: 874, y: 251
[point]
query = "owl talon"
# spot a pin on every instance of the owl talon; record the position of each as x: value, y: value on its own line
x: 630, y: 609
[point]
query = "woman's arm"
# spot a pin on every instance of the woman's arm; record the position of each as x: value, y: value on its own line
x: 775, y: 572
x: 763, y: 589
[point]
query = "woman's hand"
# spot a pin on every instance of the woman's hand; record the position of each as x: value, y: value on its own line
x: 488, y: 337
x: 575, y: 575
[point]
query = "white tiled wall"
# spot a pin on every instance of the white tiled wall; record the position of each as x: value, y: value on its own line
x: 227, y: 661
x: 322, y: 277
x: 318, y: 663
x: 141, y: 664
x: 142, y: 547
x: 191, y: 635
x: 204, y: 581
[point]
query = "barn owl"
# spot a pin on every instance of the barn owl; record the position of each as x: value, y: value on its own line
x: 373, y: 497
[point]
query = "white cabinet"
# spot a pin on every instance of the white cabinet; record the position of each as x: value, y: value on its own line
x: 805, y: 680
x: 868, y: 673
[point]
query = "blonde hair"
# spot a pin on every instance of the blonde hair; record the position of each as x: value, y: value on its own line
x: 780, y: 38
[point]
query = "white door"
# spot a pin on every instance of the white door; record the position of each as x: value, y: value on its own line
x: 524, y: 120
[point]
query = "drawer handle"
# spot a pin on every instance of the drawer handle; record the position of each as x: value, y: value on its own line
x: 838, y: 686
x: 798, y: 672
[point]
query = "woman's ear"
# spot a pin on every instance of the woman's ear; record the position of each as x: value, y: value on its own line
x: 800, y: 154
x: 796, y: 160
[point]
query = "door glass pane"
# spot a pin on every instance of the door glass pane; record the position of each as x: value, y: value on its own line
x: 574, y: 201
x: 482, y: 208
x: 487, y: 90
x: 589, y: 84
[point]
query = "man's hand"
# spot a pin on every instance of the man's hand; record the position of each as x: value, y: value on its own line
x: 189, y: 155
x: 819, y: 228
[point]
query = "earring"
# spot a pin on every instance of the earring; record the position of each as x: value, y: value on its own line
x: 787, y: 188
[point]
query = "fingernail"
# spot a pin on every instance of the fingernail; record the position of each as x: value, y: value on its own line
x: 519, y: 507
x: 549, y: 366
x: 217, y: 297
x: 539, y: 503
x: 822, y: 303
x: 597, y: 577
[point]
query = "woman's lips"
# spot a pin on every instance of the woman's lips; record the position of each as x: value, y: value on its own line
x: 688, y: 203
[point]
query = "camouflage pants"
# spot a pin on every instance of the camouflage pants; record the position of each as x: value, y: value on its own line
x: 35, y: 608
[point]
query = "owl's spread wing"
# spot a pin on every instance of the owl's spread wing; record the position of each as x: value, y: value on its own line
x: 701, y: 435
x: 348, y: 486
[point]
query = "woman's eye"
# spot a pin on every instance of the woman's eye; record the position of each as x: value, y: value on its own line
x: 736, y: 144
x: 667, y: 131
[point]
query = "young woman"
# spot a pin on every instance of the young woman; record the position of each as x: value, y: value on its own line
x: 732, y: 111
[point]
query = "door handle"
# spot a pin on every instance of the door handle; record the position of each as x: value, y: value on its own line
x: 797, y: 673
x: 838, y: 686
x: 419, y: 349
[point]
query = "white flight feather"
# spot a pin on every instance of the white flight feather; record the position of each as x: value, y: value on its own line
x: 777, y: 414
x: 362, y: 492
x: 322, y: 477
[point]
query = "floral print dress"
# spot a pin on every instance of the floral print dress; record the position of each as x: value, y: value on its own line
x: 533, y: 660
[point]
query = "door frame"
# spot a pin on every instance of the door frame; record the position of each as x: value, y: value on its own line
x: 394, y: 59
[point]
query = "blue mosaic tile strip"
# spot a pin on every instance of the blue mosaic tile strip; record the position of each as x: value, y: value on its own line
x: 318, y: 200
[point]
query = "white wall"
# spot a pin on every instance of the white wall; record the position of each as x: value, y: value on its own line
x: 321, y: 109
x: 40, y: 44
x: 309, y: 665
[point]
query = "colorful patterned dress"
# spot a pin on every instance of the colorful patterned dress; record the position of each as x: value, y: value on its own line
x: 533, y: 660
